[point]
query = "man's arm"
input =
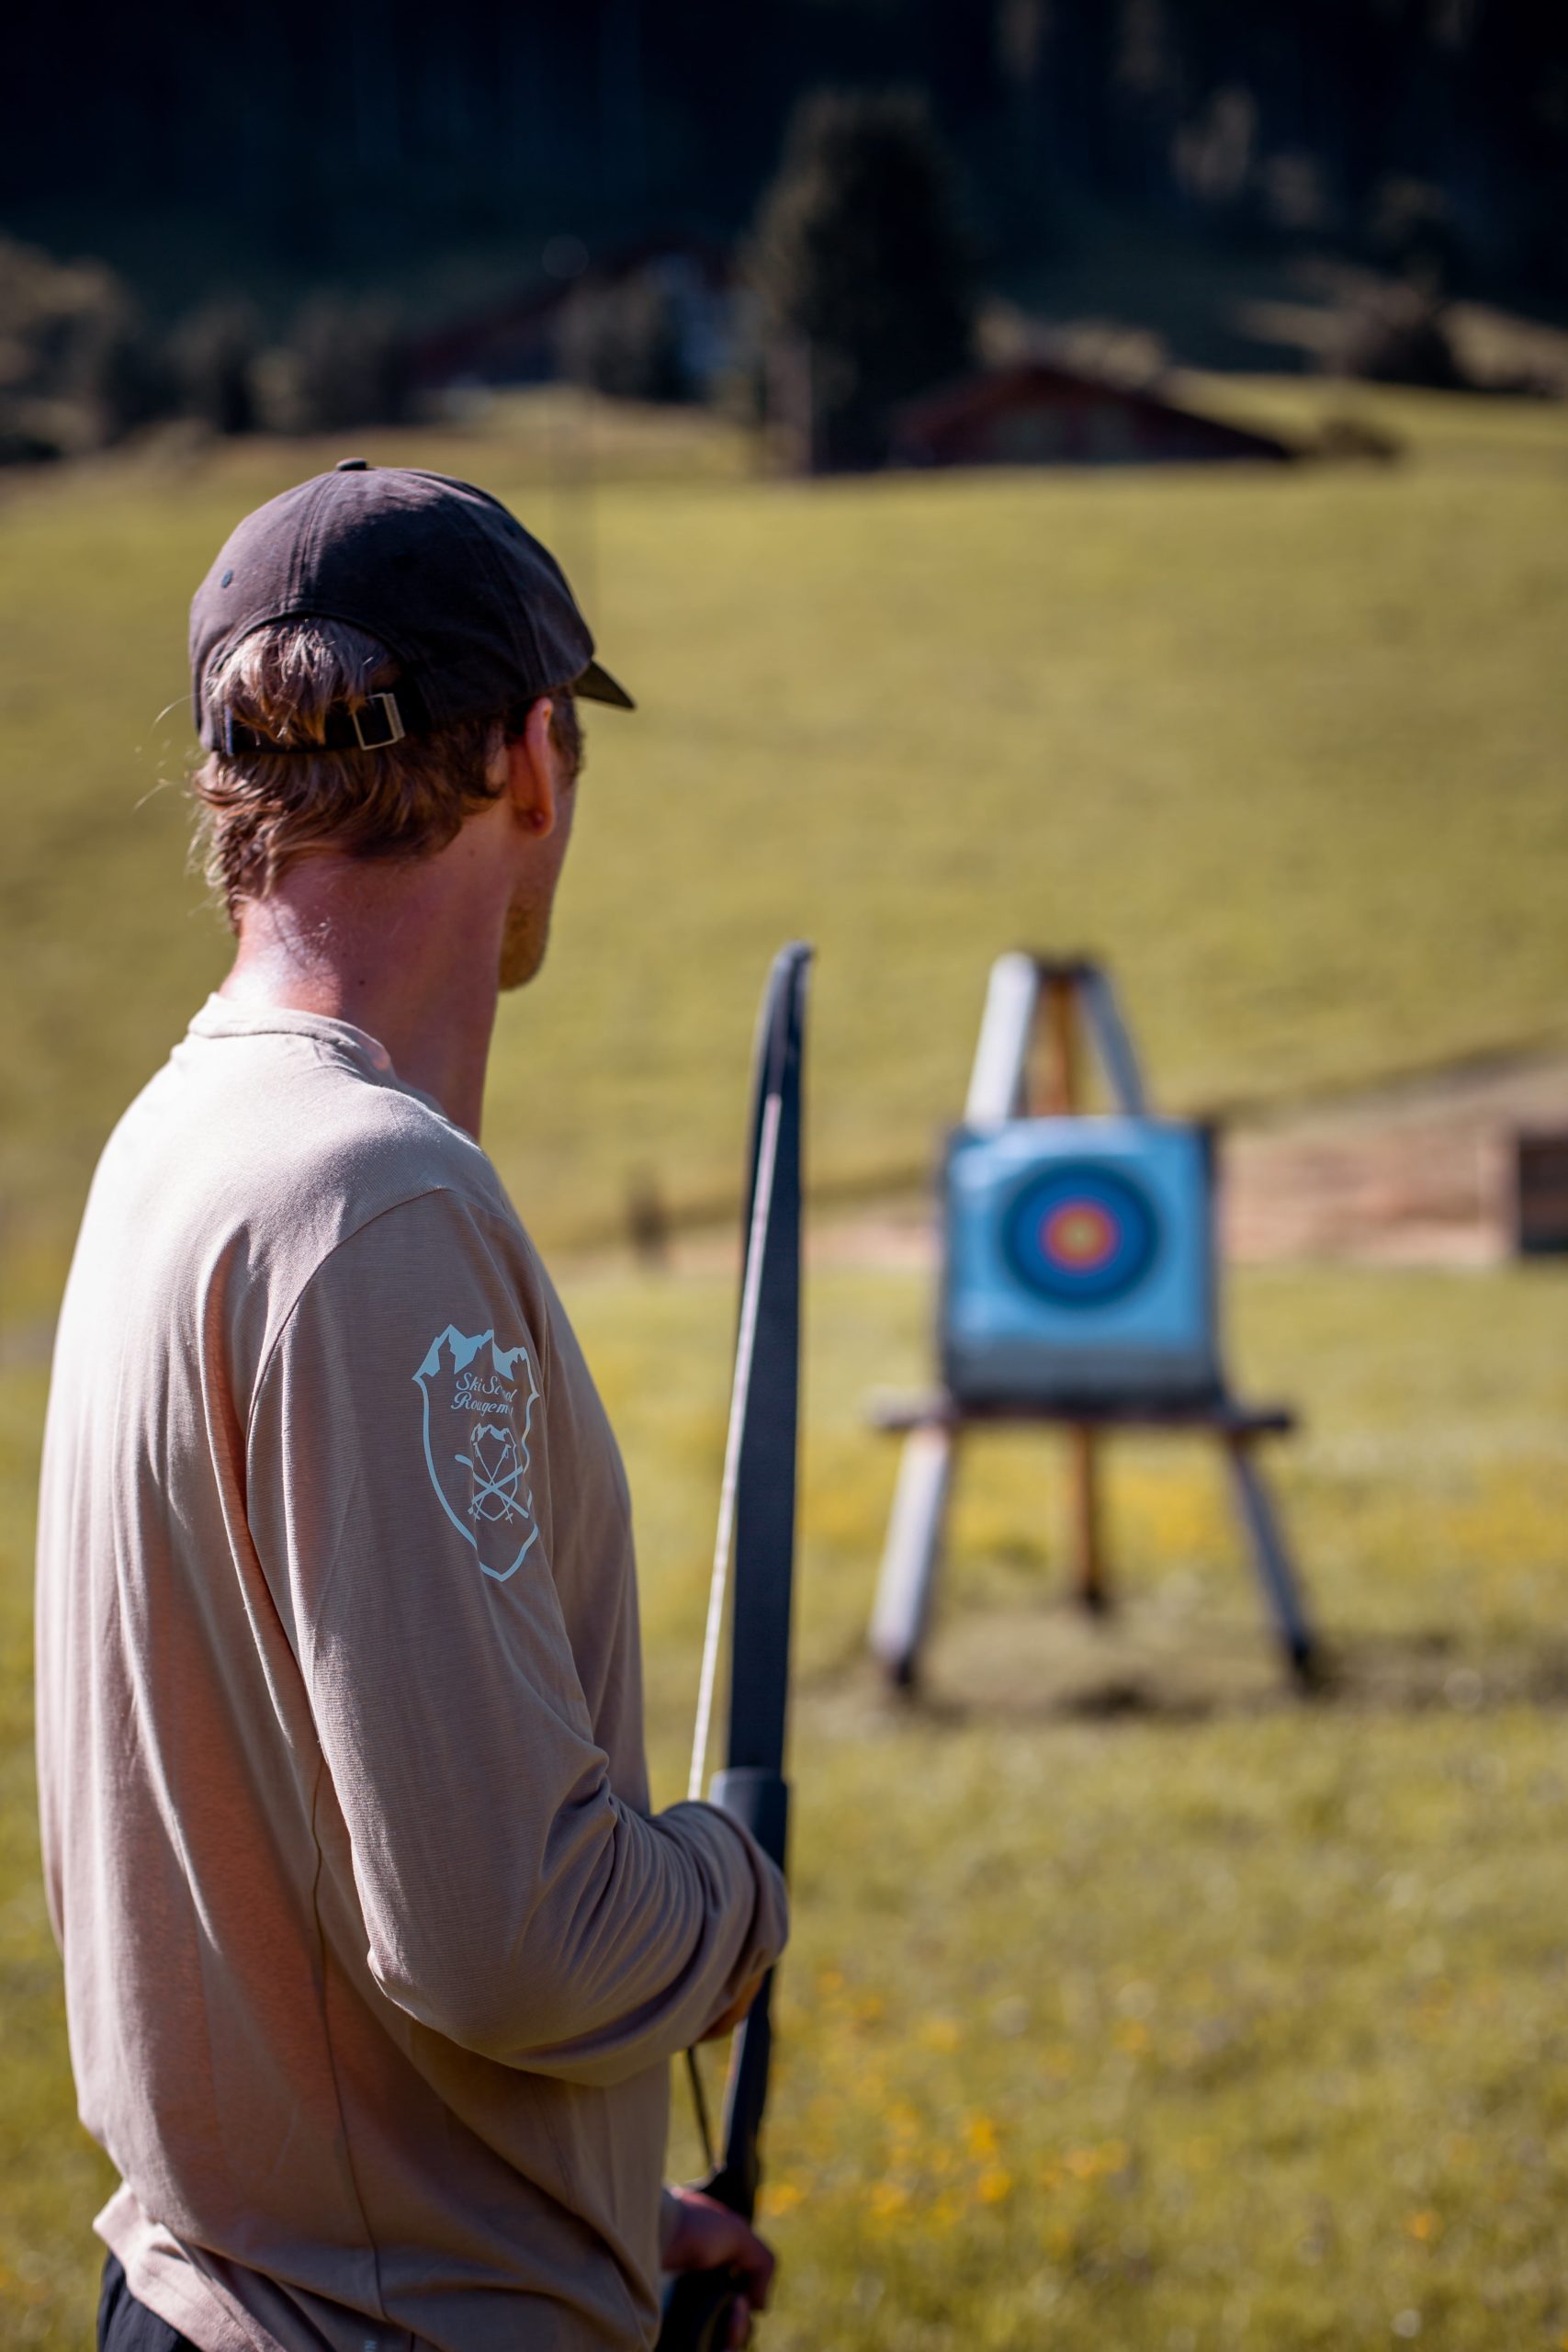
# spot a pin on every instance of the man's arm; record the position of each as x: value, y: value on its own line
x: 407, y: 1502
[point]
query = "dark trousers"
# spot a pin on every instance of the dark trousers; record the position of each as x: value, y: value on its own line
x: 126, y: 2325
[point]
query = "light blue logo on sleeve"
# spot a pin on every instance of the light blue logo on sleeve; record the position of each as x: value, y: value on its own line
x: 478, y: 1403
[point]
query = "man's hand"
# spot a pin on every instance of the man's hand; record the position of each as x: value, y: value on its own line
x: 708, y: 2236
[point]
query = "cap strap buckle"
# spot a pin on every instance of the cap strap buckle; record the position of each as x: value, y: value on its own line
x: 386, y: 725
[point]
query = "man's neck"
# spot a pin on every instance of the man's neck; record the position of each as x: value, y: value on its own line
x: 407, y: 952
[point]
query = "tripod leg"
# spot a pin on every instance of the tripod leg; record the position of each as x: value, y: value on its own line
x: 913, y: 1551
x: 1271, y: 1557
x: 1089, y: 1582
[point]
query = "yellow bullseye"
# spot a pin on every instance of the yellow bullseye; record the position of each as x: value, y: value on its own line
x: 1080, y: 1236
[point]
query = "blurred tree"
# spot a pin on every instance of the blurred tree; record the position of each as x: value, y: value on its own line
x: 78, y: 365
x: 213, y: 356
x: 345, y: 364
x: 626, y: 337
x: 863, y: 270
x: 1412, y: 232
x: 1399, y: 335
x: 115, y: 371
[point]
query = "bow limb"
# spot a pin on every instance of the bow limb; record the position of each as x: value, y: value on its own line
x: 757, y: 1523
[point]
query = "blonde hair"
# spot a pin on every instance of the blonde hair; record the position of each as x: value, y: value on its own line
x: 262, y: 811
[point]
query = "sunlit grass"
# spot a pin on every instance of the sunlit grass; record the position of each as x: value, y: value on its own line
x: 1131, y: 1999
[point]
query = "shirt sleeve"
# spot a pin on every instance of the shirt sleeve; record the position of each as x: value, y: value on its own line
x: 416, y: 1461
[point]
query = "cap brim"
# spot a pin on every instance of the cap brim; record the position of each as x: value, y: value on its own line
x: 595, y: 685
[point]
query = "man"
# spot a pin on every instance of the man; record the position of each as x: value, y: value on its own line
x: 375, y: 1957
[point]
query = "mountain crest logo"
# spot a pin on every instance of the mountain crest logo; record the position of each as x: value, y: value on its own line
x: 477, y: 1402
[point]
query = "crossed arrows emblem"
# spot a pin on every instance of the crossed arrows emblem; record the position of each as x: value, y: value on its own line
x: 482, y: 1485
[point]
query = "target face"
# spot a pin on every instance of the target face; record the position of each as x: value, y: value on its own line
x: 1081, y: 1234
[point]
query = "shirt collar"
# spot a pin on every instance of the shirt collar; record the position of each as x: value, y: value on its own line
x: 221, y: 1017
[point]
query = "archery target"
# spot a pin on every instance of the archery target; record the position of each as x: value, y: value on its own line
x: 1081, y: 1235
x: 1080, y: 1262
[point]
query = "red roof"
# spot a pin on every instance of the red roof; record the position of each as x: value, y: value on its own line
x: 1035, y: 413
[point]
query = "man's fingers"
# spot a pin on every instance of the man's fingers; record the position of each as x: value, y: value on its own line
x: 754, y: 2261
x: 741, y: 2315
x: 711, y: 2236
x: 760, y: 2274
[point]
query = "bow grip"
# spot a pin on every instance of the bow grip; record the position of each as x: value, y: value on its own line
x: 697, y: 2307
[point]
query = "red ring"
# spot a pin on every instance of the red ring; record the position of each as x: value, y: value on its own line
x: 1078, y: 1235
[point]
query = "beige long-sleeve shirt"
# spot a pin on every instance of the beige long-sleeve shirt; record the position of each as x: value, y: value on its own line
x: 374, y: 1955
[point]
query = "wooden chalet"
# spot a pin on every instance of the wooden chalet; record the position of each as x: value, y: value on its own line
x: 1036, y: 412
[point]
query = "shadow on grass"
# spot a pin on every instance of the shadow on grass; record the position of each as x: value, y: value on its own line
x: 1044, y: 1668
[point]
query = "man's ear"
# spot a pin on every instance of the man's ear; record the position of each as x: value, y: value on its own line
x: 533, y: 781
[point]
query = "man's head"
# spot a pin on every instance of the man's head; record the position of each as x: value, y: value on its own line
x: 378, y: 657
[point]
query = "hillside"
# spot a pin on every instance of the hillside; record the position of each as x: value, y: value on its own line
x: 1285, y: 749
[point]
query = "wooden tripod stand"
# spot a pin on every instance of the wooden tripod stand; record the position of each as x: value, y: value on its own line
x: 1039, y: 1013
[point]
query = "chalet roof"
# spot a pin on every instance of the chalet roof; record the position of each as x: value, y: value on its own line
x: 943, y: 416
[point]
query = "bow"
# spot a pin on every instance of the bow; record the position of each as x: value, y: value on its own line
x: 756, y: 1522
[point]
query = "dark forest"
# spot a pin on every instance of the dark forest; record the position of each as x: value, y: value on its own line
x: 339, y: 139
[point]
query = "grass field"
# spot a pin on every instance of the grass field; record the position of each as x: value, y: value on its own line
x: 1131, y: 2001
x: 1285, y: 746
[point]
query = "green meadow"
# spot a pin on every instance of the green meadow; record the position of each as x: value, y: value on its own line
x: 1284, y: 744
x: 1132, y: 2000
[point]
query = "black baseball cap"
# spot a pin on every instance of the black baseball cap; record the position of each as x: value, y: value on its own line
x: 476, y: 611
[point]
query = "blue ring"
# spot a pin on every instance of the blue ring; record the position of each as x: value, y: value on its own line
x: 1044, y: 1192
